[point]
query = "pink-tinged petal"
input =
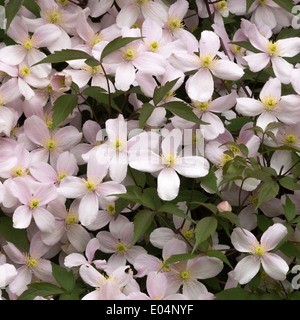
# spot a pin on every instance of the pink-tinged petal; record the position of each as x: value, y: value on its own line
x: 156, y: 285
x: 209, y: 44
x: 271, y: 88
x: 215, y: 126
x: 96, y: 171
x: 53, y: 237
x: 197, y: 291
x: 118, y: 167
x: 43, y: 172
x: 66, y: 163
x: 46, y: 34
x: 41, y: 70
x: 272, y: 236
x: 106, y: 189
x: 14, y: 254
x: 88, y: 208
x: 192, y: 166
x: 257, y: 61
x: 256, y: 38
x: 20, y: 189
x: 200, y: 86
x: 90, y: 129
x: 125, y: 75
x: 282, y: 69
x: 43, y: 271
x: 290, y: 46
x: 127, y: 16
x: 184, y: 62
x: 160, y: 236
x: 281, y: 161
x: 246, y: 269
x: 8, y: 90
x: 74, y: 260
x: 116, y: 260
x: 150, y: 63
x: 80, y: 77
x: 275, y: 266
x: 23, y: 278
x: 44, y: 220
x: 22, y: 217
x: 227, y: 70
x: 68, y: 137
x: 25, y: 89
x: 151, y: 30
x: 168, y: 184
x: 90, y: 275
x: 205, y: 267
x: 265, y: 118
x: 288, y: 109
x: 12, y: 71
x: 37, y: 247
x: 78, y: 237
x: 116, y: 129
x: 295, y: 80
x: 249, y: 107
x: 155, y: 11
x: 134, y: 252
x: 36, y: 130
x: 264, y: 13
x: 106, y: 241
x: 13, y: 55
x: 72, y: 187
x: 45, y: 193
x: 146, y: 161
x: 91, y: 248
x: 7, y: 273
x: 223, y: 103
x: 243, y: 240
x: 63, y: 42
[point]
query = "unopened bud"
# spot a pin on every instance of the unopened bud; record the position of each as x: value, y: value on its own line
x: 224, y: 206
x: 61, y: 82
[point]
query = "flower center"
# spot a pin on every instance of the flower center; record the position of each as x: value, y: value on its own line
x: 175, y: 24
x: 71, y: 219
x: 221, y: 5
x: 237, y: 49
x: 28, y: 45
x: 111, y: 209
x: 235, y: 150
x: 129, y: 55
x: 121, y: 248
x: 189, y: 234
x: 17, y: 172
x: 270, y: 103
x: 202, y: 106
x: 33, y: 204
x: 184, y: 275
x: 262, y: 1
x: 90, y: 185
x: 61, y: 176
x: 63, y: 2
x: 168, y: 160
x: 118, y: 145
x: 273, y: 48
x: 290, y: 139
x: 154, y: 46
x: 224, y: 159
x: 53, y: 18
x: 24, y: 71
x: 50, y: 145
x: 31, y: 262
x: 259, y: 251
x: 207, y: 61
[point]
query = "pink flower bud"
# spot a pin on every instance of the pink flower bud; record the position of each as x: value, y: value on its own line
x: 224, y: 206
x: 61, y: 82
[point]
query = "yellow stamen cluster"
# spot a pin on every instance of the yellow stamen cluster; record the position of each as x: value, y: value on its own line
x: 24, y: 72
x: 17, y: 171
x: 111, y: 209
x: 33, y: 204
x: 259, y: 251
x: 184, y: 275
x: 174, y: 24
x: 71, y: 219
x: 31, y: 262
x: 290, y: 139
x: 221, y: 5
x: 270, y: 103
x: 90, y: 185
x: 50, y: 145
x: 121, y: 247
x: 153, y: 46
x: 202, y: 106
x: 168, y: 160
x: 207, y: 61
x: 273, y: 48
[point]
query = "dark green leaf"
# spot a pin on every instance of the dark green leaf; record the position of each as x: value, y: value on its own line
x: 211, y: 207
x: 173, y: 209
x: 220, y: 255
x: 116, y: 44
x: 205, y: 228
x: 289, y: 183
x: 247, y: 45
x: 12, y: 8
x: 64, y: 277
x: 65, y: 55
x: 182, y: 110
x: 249, y: 4
x: 285, y: 4
x: 43, y: 289
x: 16, y: 236
x: 63, y: 106
x: 267, y: 191
x: 142, y: 222
x: 289, y: 209
x: 161, y: 92
x: 235, y: 294
x: 32, y: 6
x: 233, y: 218
x: 179, y: 257
x: 145, y: 113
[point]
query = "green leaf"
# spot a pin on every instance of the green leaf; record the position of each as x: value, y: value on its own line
x: 145, y: 113
x: 116, y: 44
x: 289, y: 183
x: 267, y: 191
x: 205, y: 228
x: 237, y: 123
x: 64, y: 277
x: 142, y: 222
x: 289, y: 209
x: 249, y: 4
x: 138, y: 176
x: 43, y: 289
x: 235, y: 294
x: 173, y: 209
x: 247, y: 45
x: 285, y: 4
x: 161, y: 92
x: 263, y: 222
x: 179, y: 258
x: 290, y: 250
x: 16, y: 236
x: 211, y: 207
x: 63, y: 106
x: 11, y: 9
x: 101, y: 96
x: 65, y: 55
x: 210, y: 181
x: 182, y: 110
x: 220, y: 255
x: 32, y: 6
x: 233, y: 218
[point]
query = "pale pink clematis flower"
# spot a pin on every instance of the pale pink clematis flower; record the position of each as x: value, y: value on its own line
x: 89, y: 190
x: 271, y: 106
x: 8, y: 271
x: 131, y: 9
x: 106, y: 287
x: 272, y: 52
x: 117, y: 241
x: 157, y: 284
x: 168, y: 163
x: 248, y: 267
x: 33, y: 200
x: 205, y: 64
x: 295, y: 79
x: 49, y: 144
x: 32, y: 264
